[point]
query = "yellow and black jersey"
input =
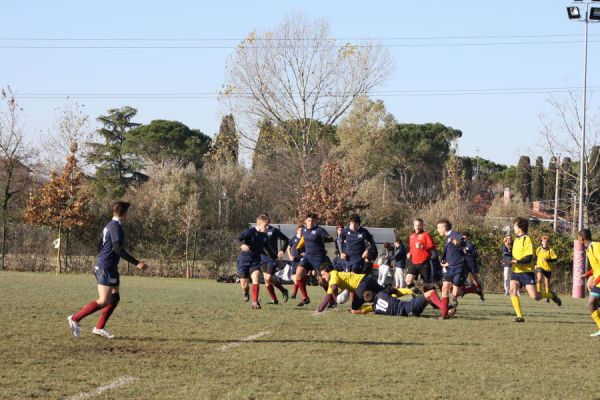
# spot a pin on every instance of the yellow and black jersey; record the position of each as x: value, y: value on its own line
x: 593, y: 255
x: 522, y: 250
x: 543, y: 255
x: 344, y: 281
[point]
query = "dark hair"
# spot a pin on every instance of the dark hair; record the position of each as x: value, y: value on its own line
x: 446, y: 223
x: 419, y: 220
x: 267, y: 217
x: 585, y: 234
x: 327, y: 268
x: 387, y: 245
x: 299, y: 226
x: 340, y: 226
x: 120, y: 208
x: 522, y: 223
x: 311, y: 215
x: 355, y: 218
x: 467, y: 234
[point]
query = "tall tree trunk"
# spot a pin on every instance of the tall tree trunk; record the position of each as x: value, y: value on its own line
x: 187, y: 256
x: 67, y: 251
x: 58, y: 250
x: 3, y: 240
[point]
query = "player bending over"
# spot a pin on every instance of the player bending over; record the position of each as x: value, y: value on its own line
x: 107, y: 273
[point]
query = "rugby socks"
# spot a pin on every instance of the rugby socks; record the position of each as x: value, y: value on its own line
x: 302, y: 287
x: 538, y: 286
x: 444, y: 307
x: 255, y: 290
x: 88, y: 309
x: 106, y: 313
x: 517, y: 306
x: 295, y: 290
x: 271, y: 291
x: 435, y: 300
x: 596, y: 317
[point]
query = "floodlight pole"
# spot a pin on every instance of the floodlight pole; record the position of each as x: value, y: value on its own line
x: 583, y: 126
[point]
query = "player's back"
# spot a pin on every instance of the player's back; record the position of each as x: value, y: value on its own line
x: 112, y: 232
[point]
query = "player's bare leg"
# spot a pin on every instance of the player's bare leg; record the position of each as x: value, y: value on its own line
x: 245, y: 284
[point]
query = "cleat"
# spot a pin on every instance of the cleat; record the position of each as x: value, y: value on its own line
x: 273, y: 302
x: 246, y: 297
x: 595, y: 334
x: 103, y: 333
x: 481, y: 295
x: 255, y: 305
x: 74, y: 326
x: 286, y: 295
x: 333, y: 304
x: 293, y: 296
x: 519, y: 319
x: 556, y: 299
x: 303, y: 302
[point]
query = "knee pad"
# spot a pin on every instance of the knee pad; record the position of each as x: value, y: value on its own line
x: 114, y: 299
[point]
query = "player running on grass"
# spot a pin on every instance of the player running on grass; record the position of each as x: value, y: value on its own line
x: 545, y: 258
x: 107, y: 273
x: 315, y: 257
x: 384, y: 303
x: 357, y: 284
x: 472, y: 263
x: 295, y: 254
x: 269, y: 265
x: 522, y: 269
x: 453, y: 261
x: 593, y: 283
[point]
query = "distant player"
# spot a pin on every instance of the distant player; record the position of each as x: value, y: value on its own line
x: 507, y: 244
x: 357, y: 284
x: 384, y: 303
x: 419, y: 253
x: 545, y: 259
x: 269, y: 264
x: 471, y: 259
x: 315, y: 257
x: 399, y: 263
x: 254, y: 242
x: 107, y: 273
x: 338, y: 263
x: 593, y: 275
x: 295, y: 254
x: 522, y: 269
x: 358, y: 246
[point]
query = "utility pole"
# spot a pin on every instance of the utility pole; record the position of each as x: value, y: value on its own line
x: 556, y: 190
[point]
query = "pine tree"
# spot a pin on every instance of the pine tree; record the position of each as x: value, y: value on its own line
x: 226, y: 147
x: 537, y: 186
x: 550, y: 183
x: 524, y: 178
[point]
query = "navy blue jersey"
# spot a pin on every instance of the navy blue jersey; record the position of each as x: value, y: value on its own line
x: 453, y: 253
x: 314, y: 241
x: 354, y: 243
x: 385, y: 304
x: 274, y: 235
x: 471, y: 254
x: 400, y: 256
x: 112, y: 233
x: 257, y: 241
x: 294, y: 248
x: 506, y: 256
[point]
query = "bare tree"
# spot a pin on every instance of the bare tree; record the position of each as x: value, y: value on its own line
x: 14, y: 159
x: 561, y: 134
x: 296, y: 76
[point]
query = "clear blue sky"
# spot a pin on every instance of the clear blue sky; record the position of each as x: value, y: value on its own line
x: 500, y: 126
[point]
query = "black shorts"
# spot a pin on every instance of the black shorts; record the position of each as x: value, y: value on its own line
x: 456, y: 275
x: 547, y: 274
x: 367, y: 283
x: 417, y: 305
x: 246, y: 269
x: 422, y: 270
x: 356, y: 266
x: 473, y: 268
x: 107, y: 276
x: 269, y: 266
x: 314, y: 263
x: 524, y: 278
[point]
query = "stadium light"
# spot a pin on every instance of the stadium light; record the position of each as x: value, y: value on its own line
x: 573, y: 13
x: 595, y: 13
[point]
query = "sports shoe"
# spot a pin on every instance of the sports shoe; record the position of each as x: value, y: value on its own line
x: 74, y: 326
x: 293, y: 296
x: 286, y: 295
x: 303, y: 302
x: 255, y: 305
x: 103, y: 333
x: 246, y: 296
x: 556, y: 299
x: 273, y: 302
x: 332, y: 304
x: 595, y: 334
x: 481, y: 295
x: 519, y: 319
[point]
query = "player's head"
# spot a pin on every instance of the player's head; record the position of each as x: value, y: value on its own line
x: 585, y: 236
x: 299, y: 229
x: 339, y: 228
x: 326, y: 272
x: 310, y: 220
x: 368, y: 296
x: 387, y: 245
x: 466, y: 236
x: 261, y: 222
x: 418, y: 225
x: 520, y: 226
x: 267, y: 217
x: 354, y: 222
x: 443, y: 226
x: 508, y: 240
x: 120, y: 209
x: 398, y: 242
x: 545, y: 241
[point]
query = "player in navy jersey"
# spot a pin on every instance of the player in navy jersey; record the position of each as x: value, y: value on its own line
x: 313, y: 240
x: 453, y: 261
x: 295, y: 254
x: 357, y: 246
x: 107, y: 273
x: 254, y: 242
x: 472, y: 264
x: 269, y: 265
x: 384, y: 303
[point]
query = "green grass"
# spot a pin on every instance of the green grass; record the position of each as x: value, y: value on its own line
x: 169, y: 331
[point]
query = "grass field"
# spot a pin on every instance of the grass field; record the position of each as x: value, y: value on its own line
x: 170, y: 332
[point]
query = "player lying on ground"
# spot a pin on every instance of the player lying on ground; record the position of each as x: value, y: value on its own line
x: 354, y: 283
x: 593, y: 275
x: 384, y: 303
x: 522, y: 269
x: 107, y: 273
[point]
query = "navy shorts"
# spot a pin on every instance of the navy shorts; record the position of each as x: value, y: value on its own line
x: 340, y: 265
x: 367, y: 283
x: 414, y: 307
x: 293, y: 266
x: 314, y: 262
x: 473, y: 268
x: 107, y: 276
x: 524, y: 278
x: 356, y: 266
x: 246, y: 269
x: 547, y: 274
x: 595, y: 292
x: 456, y: 275
x: 268, y: 265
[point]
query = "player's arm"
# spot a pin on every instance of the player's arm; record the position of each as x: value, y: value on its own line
x: 553, y: 257
x: 244, y: 239
x: 428, y: 245
x: 372, y: 245
x: 326, y: 237
x: 366, y: 308
x: 285, y: 243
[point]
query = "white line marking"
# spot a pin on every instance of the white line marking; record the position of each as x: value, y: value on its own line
x: 117, y: 383
x: 243, y: 340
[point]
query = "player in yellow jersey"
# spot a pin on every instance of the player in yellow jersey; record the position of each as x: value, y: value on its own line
x: 593, y: 283
x: 545, y: 257
x: 522, y: 269
x: 354, y: 283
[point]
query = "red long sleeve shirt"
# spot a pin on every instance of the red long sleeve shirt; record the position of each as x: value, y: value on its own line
x: 419, y: 256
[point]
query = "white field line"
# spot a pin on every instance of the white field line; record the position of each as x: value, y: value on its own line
x: 117, y: 383
x: 243, y: 340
